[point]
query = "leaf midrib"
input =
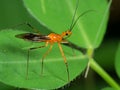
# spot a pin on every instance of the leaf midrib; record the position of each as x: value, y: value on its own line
x: 48, y: 60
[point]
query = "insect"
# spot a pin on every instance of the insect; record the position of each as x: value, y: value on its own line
x: 51, y: 39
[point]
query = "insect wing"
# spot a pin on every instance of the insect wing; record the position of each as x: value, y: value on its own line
x: 33, y: 37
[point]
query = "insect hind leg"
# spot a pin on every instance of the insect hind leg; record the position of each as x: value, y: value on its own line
x: 28, y: 57
x: 33, y: 28
x: 28, y: 24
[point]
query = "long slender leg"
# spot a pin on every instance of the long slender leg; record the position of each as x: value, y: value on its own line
x: 65, y: 42
x: 28, y: 56
x: 29, y: 25
x: 51, y: 45
x: 72, y: 48
x: 65, y: 60
x: 33, y: 28
x: 27, y: 63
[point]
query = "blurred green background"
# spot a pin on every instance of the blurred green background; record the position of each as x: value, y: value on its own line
x: 12, y: 12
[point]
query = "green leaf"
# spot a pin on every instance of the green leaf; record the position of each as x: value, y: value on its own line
x: 117, y: 61
x: 13, y: 61
x: 108, y: 88
x: 57, y: 16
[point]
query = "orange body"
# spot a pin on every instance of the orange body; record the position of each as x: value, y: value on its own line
x: 57, y: 37
x: 54, y: 38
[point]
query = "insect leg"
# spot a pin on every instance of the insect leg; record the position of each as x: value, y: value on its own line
x: 33, y: 28
x: 65, y: 42
x: 29, y: 25
x: 65, y: 61
x: 28, y: 56
x: 51, y: 45
x: 72, y: 48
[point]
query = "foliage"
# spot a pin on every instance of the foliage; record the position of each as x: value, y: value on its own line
x: 56, y: 17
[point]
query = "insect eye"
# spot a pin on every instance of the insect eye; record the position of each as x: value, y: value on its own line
x: 66, y: 34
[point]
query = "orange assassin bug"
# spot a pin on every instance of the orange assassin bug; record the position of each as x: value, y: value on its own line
x: 51, y: 39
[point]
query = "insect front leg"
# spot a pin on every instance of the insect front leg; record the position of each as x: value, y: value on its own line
x: 65, y: 42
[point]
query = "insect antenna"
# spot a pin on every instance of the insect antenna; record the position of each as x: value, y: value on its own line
x: 73, y: 19
x: 71, y: 26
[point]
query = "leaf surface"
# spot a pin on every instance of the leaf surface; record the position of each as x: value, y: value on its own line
x: 57, y: 16
x: 13, y: 62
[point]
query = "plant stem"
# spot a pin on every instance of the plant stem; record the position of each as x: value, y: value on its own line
x: 103, y: 74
